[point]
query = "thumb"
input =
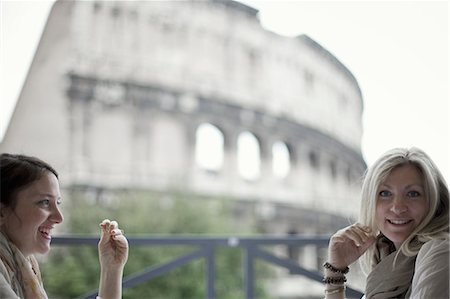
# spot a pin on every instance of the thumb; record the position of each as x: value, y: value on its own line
x: 363, y: 248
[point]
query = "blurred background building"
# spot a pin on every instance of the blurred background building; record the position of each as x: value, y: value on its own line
x: 195, y: 96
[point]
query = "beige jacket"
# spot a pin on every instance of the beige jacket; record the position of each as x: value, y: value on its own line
x: 6, y: 291
x: 425, y: 276
x: 431, y: 273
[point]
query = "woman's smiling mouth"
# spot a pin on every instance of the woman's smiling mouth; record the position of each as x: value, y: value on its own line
x: 46, y: 232
x: 399, y: 221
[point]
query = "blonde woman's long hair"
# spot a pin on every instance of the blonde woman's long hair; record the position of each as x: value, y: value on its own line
x: 435, y: 225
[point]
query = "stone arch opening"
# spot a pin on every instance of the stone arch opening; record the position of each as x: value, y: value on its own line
x: 209, y: 147
x: 281, y: 160
x: 248, y: 156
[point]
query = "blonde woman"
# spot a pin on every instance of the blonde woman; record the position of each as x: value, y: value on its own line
x: 29, y: 210
x: 402, y: 236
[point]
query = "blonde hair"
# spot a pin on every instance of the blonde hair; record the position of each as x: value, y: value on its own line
x: 435, y: 225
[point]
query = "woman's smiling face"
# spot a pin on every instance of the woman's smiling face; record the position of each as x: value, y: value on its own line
x: 401, y: 203
x: 28, y: 225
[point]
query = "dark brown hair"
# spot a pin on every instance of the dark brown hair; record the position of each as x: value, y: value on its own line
x: 16, y: 173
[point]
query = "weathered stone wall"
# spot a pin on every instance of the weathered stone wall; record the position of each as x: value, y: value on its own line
x: 221, y: 52
x: 117, y: 91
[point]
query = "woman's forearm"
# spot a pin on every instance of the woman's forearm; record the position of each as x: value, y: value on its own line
x: 334, y: 290
x: 113, y: 254
x: 110, y: 284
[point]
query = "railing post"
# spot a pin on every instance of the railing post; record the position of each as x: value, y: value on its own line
x: 210, y: 272
x: 249, y: 271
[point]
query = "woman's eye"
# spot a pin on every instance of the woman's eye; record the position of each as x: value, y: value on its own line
x: 384, y: 193
x: 413, y: 194
x: 44, y: 203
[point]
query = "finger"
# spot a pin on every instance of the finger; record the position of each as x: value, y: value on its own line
x: 105, y: 234
x: 356, y: 235
x: 114, y: 225
x: 116, y: 232
x: 338, y: 238
x: 120, y: 240
x: 366, y: 229
x: 367, y: 240
x: 363, y: 233
x: 120, y: 243
x: 105, y: 224
x: 371, y: 240
x: 363, y: 228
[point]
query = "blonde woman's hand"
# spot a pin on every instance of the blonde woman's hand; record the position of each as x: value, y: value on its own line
x: 348, y: 244
x: 113, y: 245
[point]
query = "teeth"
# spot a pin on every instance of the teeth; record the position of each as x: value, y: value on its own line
x: 398, y: 221
x: 45, y: 230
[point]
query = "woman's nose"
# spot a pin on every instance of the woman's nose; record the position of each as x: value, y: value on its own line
x: 56, y: 215
x: 399, y: 206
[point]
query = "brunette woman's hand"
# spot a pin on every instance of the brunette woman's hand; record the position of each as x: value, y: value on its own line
x: 113, y: 246
x: 348, y: 244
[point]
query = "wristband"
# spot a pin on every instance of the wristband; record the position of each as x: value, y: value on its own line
x: 335, y: 291
x: 334, y: 280
x: 329, y: 266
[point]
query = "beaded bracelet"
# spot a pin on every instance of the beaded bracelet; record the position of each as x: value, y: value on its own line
x: 334, y: 280
x: 335, y: 290
x: 329, y: 266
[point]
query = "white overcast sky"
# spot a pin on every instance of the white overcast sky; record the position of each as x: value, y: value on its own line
x: 397, y: 50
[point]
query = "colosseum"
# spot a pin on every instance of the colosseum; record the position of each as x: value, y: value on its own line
x: 144, y: 95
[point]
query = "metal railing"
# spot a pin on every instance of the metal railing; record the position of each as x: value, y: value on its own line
x: 205, y: 248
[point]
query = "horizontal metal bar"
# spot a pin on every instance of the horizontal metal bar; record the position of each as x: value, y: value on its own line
x: 75, y: 240
x: 231, y: 241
